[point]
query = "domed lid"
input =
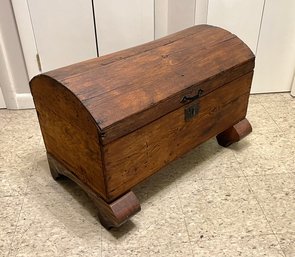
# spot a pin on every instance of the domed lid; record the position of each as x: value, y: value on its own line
x: 131, y: 88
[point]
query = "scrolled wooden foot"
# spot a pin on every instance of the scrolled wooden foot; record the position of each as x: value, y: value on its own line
x: 118, y: 212
x: 234, y: 133
x: 112, y: 214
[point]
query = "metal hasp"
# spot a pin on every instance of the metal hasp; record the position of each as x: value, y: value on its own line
x: 191, y: 98
x: 191, y: 112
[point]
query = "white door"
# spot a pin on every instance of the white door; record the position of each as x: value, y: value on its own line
x: 2, y: 102
x: 123, y: 24
x: 174, y: 15
x: 201, y: 11
x: 240, y: 17
x: 275, y: 62
x: 64, y: 31
x: 181, y: 14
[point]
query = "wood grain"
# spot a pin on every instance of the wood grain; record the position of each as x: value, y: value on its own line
x: 131, y: 159
x: 127, y: 90
x: 235, y: 133
x: 111, y: 122
x: 89, y: 65
x: 70, y: 134
x: 110, y: 214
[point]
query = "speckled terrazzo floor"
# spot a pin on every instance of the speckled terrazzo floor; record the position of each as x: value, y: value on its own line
x: 216, y: 202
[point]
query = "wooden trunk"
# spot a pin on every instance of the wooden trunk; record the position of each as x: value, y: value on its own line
x: 111, y: 122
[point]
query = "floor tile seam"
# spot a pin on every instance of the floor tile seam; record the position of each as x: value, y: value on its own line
x: 271, y: 174
x: 7, y: 123
x: 27, y: 181
x: 146, y: 246
x: 21, y: 209
x: 205, y: 196
x: 10, y: 196
x: 281, y: 100
x: 263, y: 212
x: 218, y: 178
x: 263, y: 132
x: 263, y: 175
x: 257, y: 96
x: 17, y: 194
x: 267, y: 220
x: 284, y: 233
x: 234, y: 235
x: 184, y: 219
x: 17, y: 223
x: 16, y: 226
x: 270, y: 115
x: 101, y: 242
x: 240, y: 176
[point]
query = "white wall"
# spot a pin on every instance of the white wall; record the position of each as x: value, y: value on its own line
x: 161, y: 18
x: 13, y: 75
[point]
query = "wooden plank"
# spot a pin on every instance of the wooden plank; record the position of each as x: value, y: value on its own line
x: 109, y: 75
x: 50, y: 95
x: 153, y: 78
x: 112, y: 214
x: 69, y: 132
x: 92, y: 64
x: 138, y: 120
x: 167, y: 74
x: 134, y: 157
x: 113, y: 125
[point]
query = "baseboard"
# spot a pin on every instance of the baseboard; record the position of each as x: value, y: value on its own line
x: 2, y: 102
x: 269, y: 92
x: 24, y: 101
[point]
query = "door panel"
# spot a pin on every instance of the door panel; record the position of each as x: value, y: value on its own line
x: 238, y: 16
x: 201, y: 11
x: 161, y: 18
x: 275, y: 62
x: 174, y: 15
x: 123, y: 24
x: 64, y: 31
x: 181, y: 15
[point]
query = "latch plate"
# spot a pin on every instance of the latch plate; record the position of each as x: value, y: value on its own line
x: 190, y: 112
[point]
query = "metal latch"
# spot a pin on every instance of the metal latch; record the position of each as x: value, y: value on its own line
x: 192, y: 98
x: 191, y: 112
